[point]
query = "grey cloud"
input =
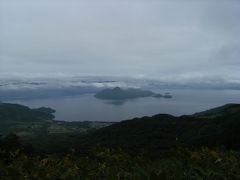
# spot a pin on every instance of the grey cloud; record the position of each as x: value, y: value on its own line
x: 173, y: 39
x: 230, y: 54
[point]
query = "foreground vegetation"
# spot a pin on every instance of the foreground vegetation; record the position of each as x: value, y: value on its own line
x: 103, y: 163
x: 201, y: 146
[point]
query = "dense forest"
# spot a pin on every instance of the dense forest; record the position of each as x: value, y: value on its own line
x: 204, y: 145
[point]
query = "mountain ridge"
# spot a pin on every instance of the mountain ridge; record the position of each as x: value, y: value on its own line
x: 163, y: 131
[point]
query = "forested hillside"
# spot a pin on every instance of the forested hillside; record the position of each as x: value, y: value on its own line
x: 201, y: 146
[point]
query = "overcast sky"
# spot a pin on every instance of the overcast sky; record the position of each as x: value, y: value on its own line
x: 171, y: 39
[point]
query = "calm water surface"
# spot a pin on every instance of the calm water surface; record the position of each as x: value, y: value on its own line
x: 87, y: 108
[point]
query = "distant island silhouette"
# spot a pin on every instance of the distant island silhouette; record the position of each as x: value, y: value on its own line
x: 118, y: 93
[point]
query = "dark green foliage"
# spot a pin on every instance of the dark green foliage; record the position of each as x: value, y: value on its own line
x: 10, y: 142
x: 44, y: 113
x: 19, y: 113
x: 225, y: 110
x: 149, y: 135
x: 37, y: 127
x: 161, y: 132
x: 159, y: 147
x: 103, y: 163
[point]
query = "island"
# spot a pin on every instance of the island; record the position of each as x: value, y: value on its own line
x: 118, y: 93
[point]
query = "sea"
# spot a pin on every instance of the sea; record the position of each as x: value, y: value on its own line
x: 86, y: 107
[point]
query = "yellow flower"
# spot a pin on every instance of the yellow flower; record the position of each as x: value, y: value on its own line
x: 214, y: 154
x: 195, y: 156
x: 44, y: 162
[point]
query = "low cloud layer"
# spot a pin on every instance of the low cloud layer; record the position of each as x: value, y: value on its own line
x: 178, y: 40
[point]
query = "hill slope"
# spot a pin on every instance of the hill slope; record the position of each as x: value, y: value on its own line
x: 20, y: 113
x: 161, y: 132
x: 217, y: 127
x: 151, y: 135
